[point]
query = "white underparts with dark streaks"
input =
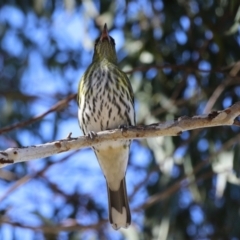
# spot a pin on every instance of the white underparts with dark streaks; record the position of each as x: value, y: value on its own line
x: 103, y: 109
x: 106, y: 103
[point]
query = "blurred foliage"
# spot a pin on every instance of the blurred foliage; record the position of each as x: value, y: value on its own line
x: 183, y: 59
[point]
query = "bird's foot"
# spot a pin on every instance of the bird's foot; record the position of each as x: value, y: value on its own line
x: 125, y: 127
x: 92, y: 134
x: 69, y: 136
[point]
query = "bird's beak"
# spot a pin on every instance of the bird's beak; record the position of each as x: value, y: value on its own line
x: 105, y: 33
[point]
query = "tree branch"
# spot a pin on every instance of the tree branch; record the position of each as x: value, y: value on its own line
x: 170, y: 128
x: 57, y: 107
x: 174, y: 67
x: 70, y: 225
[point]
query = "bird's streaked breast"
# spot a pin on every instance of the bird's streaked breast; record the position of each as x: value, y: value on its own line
x: 106, y: 104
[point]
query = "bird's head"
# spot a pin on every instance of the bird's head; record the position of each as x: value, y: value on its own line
x: 105, y: 47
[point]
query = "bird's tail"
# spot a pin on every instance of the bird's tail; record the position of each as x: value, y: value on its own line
x: 119, y: 212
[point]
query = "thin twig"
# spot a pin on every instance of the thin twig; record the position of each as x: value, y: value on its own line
x: 71, y: 226
x: 187, y: 180
x: 57, y: 107
x: 177, y: 68
x: 27, y: 178
x: 218, y: 91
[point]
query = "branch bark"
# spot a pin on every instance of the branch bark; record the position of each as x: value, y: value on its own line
x: 171, y: 128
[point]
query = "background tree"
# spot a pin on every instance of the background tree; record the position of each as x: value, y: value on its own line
x: 183, y: 59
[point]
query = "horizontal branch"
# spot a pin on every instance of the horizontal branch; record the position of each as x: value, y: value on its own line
x: 170, y: 128
x: 182, y: 68
x: 70, y: 225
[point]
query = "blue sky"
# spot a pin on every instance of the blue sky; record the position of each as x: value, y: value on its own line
x: 81, y: 172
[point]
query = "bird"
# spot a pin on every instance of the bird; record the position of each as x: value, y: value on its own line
x: 106, y: 101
